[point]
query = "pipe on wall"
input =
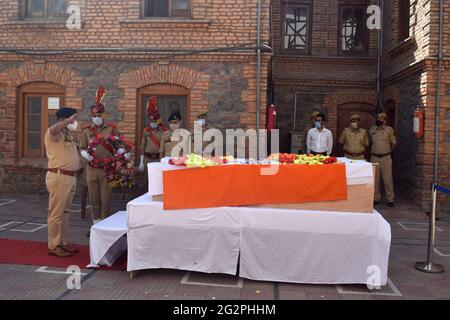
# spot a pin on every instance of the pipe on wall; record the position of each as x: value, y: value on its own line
x: 438, y: 93
x: 258, y: 78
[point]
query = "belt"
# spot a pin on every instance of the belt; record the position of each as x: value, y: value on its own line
x: 62, y: 171
x: 381, y: 155
x: 152, y: 155
x: 354, y: 154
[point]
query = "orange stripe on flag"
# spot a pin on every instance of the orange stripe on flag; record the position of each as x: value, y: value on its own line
x: 236, y: 185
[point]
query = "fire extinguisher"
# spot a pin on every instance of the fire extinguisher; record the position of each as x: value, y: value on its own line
x: 271, y: 118
x: 419, y: 123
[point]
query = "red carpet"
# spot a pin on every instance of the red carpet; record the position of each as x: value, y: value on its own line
x: 35, y: 253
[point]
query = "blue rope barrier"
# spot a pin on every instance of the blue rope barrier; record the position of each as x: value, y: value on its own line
x: 442, y: 189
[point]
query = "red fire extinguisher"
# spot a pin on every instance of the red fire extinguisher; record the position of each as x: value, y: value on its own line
x: 419, y: 123
x: 271, y: 118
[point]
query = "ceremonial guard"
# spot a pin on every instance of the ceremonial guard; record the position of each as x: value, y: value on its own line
x: 354, y: 139
x: 166, y: 141
x: 152, y: 135
x: 382, y: 143
x: 63, y: 164
x: 99, y: 145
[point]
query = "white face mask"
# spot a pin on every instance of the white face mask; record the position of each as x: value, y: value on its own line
x: 72, y: 126
x: 97, y: 121
x: 174, y: 126
x: 354, y: 125
x: 153, y: 125
x: 201, y: 122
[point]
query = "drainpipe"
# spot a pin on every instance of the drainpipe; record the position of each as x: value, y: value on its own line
x: 438, y: 94
x: 380, y: 56
x: 258, y: 77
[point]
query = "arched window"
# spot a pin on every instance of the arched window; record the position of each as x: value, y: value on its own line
x: 38, y: 103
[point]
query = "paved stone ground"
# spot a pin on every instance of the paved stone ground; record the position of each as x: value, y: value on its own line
x: 409, y: 244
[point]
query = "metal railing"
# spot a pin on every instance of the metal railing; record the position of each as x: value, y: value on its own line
x: 429, y: 266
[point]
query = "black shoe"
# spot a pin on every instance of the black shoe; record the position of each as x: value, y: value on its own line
x: 391, y: 204
x: 88, y: 234
x: 375, y: 203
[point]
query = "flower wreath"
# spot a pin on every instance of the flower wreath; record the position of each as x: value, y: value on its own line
x: 120, y: 171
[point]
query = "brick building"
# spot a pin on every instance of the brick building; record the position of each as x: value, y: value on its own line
x: 199, y: 55
x: 195, y: 55
x: 326, y: 59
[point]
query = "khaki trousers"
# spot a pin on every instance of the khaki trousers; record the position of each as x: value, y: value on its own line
x: 61, y: 189
x: 99, y: 193
x: 385, y: 168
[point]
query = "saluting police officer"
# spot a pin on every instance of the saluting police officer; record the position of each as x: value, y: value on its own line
x: 166, y: 141
x: 63, y: 164
x: 382, y: 143
x: 354, y: 139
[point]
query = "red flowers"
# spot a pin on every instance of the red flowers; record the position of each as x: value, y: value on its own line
x: 330, y: 160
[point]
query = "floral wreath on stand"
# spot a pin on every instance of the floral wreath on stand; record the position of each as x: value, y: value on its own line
x: 119, y: 168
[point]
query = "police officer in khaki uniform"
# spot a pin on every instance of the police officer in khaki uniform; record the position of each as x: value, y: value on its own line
x: 201, y: 122
x: 166, y: 141
x: 382, y: 142
x: 354, y: 139
x: 99, y: 188
x: 63, y: 164
x: 151, y: 137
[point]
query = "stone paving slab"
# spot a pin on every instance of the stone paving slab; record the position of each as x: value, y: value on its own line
x: 408, y: 247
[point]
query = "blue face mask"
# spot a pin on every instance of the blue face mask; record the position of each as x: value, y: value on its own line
x: 153, y: 125
x: 318, y: 124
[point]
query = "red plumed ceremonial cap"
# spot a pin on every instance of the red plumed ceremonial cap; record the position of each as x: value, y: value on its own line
x: 152, y: 109
x: 98, y: 107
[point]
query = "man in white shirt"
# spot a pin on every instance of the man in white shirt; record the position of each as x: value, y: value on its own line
x: 319, y: 139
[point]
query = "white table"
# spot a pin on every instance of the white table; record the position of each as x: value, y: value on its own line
x: 107, y: 241
x: 274, y: 244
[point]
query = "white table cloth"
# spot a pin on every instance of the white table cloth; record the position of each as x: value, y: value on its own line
x: 203, y: 240
x: 274, y: 244
x: 357, y: 172
x: 313, y: 247
x: 106, y: 241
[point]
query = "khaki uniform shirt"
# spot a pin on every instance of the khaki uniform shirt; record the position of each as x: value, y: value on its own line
x: 89, y: 132
x: 354, y: 140
x: 167, y: 145
x: 147, y: 143
x: 381, y: 139
x: 62, y: 151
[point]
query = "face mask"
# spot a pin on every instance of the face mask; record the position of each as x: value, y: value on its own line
x: 201, y: 122
x: 379, y: 122
x: 354, y: 125
x: 174, y: 126
x: 153, y: 125
x: 72, y: 126
x: 97, y: 121
x: 318, y: 124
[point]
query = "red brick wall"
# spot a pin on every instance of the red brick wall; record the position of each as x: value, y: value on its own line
x: 116, y: 24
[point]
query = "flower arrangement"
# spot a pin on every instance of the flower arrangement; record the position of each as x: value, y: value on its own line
x: 119, y: 168
x: 309, y: 159
x: 197, y: 161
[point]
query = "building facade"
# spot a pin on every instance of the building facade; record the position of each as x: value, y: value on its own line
x: 199, y: 55
x: 196, y: 55
x: 326, y: 59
